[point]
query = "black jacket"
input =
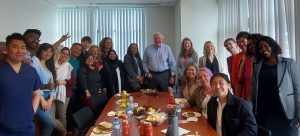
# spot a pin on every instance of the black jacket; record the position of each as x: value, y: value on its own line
x: 237, y: 117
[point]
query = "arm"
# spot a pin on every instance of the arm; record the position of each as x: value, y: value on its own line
x: 71, y: 82
x: 247, y: 120
x: 195, y: 58
x: 179, y: 69
x: 36, y: 99
x: 82, y: 78
x: 132, y: 76
x: 201, y: 62
x: 145, y: 61
x: 171, y: 62
x: 296, y: 86
x: 62, y: 39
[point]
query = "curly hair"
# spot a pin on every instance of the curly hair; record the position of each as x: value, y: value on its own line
x: 102, y: 43
x: 275, y: 48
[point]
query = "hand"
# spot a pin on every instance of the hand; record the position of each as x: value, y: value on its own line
x: 104, y: 90
x: 140, y: 79
x: 148, y: 75
x: 172, y: 80
x: 44, y: 105
x: 27, y: 60
x: 87, y: 94
x: 64, y: 37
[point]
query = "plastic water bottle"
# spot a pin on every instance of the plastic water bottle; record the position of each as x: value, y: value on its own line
x: 116, y: 127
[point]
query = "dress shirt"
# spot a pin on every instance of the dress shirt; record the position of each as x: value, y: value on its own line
x: 159, y: 59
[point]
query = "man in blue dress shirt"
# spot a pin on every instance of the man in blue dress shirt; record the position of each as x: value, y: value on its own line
x: 19, y: 90
x: 159, y: 64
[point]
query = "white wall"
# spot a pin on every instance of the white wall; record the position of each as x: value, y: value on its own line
x: 19, y: 15
x: 199, y: 21
x: 160, y: 19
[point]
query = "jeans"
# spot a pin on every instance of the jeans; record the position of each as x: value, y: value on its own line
x: 45, y: 118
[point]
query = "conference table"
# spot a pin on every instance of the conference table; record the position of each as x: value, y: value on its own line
x: 160, y: 102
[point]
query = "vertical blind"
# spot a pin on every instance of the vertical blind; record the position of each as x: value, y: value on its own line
x: 123, y: 25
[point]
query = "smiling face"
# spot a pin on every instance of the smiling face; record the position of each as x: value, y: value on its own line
x: 134, y: 49
x: 251, y: 46
x: 76, y: 50
x: 203, y: 77
x: 157, y: 39
x: 86, y: 45
x: 220, y: 86
x: 187, y: 45
x: 264, y: 49
x: 242, y: 43
x: 89, y: 61
x: 33, y: 40
x: 209, y: 49
x: 108, y: 44
x: 16, y: 51
x: 112, y: 55
x: 46, y: 54
x: 95, y: 52
x: 64, y: 56
x: 231, y: 47
x: 191, y: 72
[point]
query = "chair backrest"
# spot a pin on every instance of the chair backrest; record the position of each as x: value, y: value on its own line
x: 263, y: 131
x: 83, y: 118
x: 98, y: 101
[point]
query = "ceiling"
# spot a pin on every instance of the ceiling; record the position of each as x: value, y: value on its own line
x: 63, y: 3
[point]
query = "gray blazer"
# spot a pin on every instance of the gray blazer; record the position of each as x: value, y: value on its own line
x: 288, y: 84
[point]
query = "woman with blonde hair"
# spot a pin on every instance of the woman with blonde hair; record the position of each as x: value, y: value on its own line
x: 210, y: 59
x: 95, y: 52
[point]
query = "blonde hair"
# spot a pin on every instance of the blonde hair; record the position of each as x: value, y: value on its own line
x: 91, y: 51
x: 206, y: 44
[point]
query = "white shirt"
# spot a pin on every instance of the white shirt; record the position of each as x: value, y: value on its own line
x: 219, y: 117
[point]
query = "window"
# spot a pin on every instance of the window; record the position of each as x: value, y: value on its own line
x: 123, y: 25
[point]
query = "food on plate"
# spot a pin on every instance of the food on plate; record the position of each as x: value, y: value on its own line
x: 155, y: 118
x: 120, y: 113
x: 141, y: 110
x: 191, y: 114
x: 151, y: 92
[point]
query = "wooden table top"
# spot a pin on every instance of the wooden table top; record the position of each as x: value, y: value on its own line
x: 160, y: 101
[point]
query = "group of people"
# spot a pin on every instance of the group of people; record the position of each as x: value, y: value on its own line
x: 53, y: 82
x: 262, y: 96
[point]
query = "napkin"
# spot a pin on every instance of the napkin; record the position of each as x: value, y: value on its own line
x: 94, y: 134
x: 111, y: 113
x: 182, y: 131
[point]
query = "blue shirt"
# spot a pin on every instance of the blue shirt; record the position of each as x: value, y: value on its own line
x: 75, y: 62
x: 16, y: 89
x: 44, y: 74
x: 159, y: 59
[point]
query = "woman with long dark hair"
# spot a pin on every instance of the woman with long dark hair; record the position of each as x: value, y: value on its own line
x: 46, y: 71
x: 134, y: 68
x: 114, y: 74
x: 187, y: 56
